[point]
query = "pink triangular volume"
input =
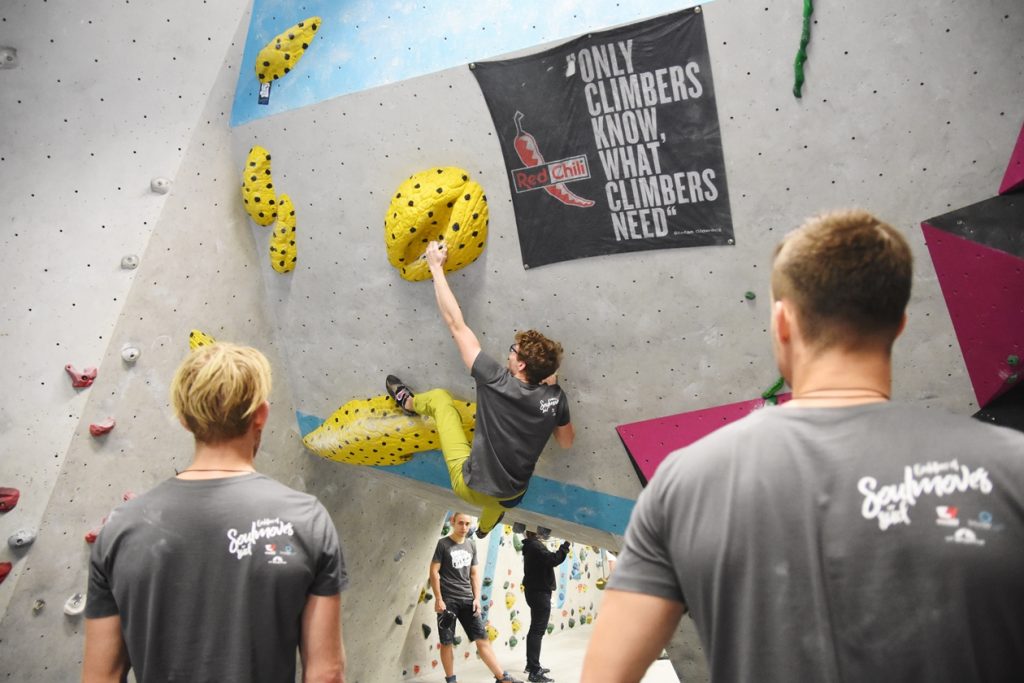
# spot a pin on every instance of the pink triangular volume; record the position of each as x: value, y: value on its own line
x: 984, y: 292
x: 1014, y: 178
x: 649, y: 442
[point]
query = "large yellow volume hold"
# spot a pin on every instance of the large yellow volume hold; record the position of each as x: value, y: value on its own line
x: 283, y: 252
x: 280, y: 55
x: 197, y: 338
x: 438, y: 204
x: 375, y: 431
x: 258, y: 187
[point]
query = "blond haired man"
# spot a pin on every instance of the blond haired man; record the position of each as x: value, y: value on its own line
x: 219, y: 573
x: 839, y: 537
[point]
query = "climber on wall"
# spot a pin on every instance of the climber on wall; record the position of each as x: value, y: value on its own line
x: 455, y: 580
x: 519, y: 407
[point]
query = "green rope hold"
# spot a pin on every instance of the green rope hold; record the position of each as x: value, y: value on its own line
x: 773, y: 389
x: 801, y: 54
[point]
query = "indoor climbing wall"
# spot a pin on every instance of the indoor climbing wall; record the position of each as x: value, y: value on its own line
x: 506, y: 615
x: 119, y: 144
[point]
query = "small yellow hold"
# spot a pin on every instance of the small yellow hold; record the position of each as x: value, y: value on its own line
x: 375, y: 431
x: 258, y: 194
x: 510, y: 599
x: 516, y: 626
x: 197, y: 338
x: 492, y: 633
x: 280, y: 55
x: 283, y: 252
x: 437, y: 204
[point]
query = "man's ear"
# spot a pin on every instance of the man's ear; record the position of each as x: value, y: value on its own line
x: 782, y: 320
x: 259, y: 418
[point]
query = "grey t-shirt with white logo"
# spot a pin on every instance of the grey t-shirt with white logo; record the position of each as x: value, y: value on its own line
x: 210, y: 578
x: 514, y: 421
x: 866, y: 543
x: 457, y: 561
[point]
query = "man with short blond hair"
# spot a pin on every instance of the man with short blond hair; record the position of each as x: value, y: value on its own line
x: 838, y: 537
x: 219, y: 573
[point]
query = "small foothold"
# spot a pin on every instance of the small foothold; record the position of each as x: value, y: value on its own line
x: 80, y: 379
x: 8, y: 58
x: 749, y: 296
x: 160, y: 185
x: 1012, y: 379
x: 129, y: 262
x: 8, y: 498
x: 398, y: 620
x: 399, y: 555
x: 426, y: 631
x: 427, y: 597
x: 128, y: 495
x: 75, y: 605
x: 101, y: 428
x: 130, y: 354
x: 38, y: 606
x: 5, y: 569
x: 21, y: 538
x: 458, y: 640
x: 92, y: 534
x: 601, y: 583
x: 1012, y: 359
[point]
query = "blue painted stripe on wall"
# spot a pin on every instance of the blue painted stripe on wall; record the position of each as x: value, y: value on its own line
x: 366, y: 43
x: 547, y: 497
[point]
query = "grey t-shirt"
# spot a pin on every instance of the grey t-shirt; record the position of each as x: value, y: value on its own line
x: 210, y: 578
x: 868, y: 543
x: 514, y: 421
x: 457, y: 559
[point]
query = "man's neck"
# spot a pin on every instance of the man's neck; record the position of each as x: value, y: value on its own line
x: 230, y: 458
x: 838, y: 377
x: 457, y: 538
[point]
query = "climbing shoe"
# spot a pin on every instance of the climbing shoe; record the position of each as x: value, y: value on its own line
x: 399, y: 392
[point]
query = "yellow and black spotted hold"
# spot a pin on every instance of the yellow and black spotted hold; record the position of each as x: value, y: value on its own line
x: 441, y: 204
x: 375, y: 431
x: 283, y: 252
x: 258, y: 187
x: 280, y: 55
x: 197, y: 338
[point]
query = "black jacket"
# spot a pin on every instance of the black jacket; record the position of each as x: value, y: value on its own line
x: 539, y: 564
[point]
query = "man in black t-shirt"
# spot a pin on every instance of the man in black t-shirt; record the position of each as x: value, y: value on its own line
x: 519, y: 407
x: 455, y: 580
x: 538, y: 582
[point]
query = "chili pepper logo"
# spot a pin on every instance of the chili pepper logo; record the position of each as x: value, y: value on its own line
x: 551, y: 176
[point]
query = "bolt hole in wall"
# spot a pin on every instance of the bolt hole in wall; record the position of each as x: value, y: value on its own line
x: 575, y: 604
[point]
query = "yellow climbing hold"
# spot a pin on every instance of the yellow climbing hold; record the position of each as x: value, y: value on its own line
x: 280, y: 55
x: 283, y: 252
x: 258, y: 187
x: 510, y: 599
x: 492, y: 633
x: 375, y: 431
x: 438, y: 204
x: 197, y: 338
x: 516, y: 626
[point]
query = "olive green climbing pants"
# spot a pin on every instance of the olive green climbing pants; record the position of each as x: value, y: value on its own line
x: 437, y: 403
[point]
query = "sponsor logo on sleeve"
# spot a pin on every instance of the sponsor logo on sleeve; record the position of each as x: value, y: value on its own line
x: 946, y: 515
x: 965, y: 537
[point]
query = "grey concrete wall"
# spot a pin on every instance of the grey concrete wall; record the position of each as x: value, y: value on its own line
x: 909, y: 110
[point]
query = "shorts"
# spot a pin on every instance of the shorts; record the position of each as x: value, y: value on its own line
x: 463, y: 612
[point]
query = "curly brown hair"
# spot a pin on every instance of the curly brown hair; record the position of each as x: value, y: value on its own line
x: 541, y: 355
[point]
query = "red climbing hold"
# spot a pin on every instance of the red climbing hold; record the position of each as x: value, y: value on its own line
x: 5, y: 569
x: 80, y: 378
x: 92, y: 534
x: 100, y: 428
x: 8, y: 498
